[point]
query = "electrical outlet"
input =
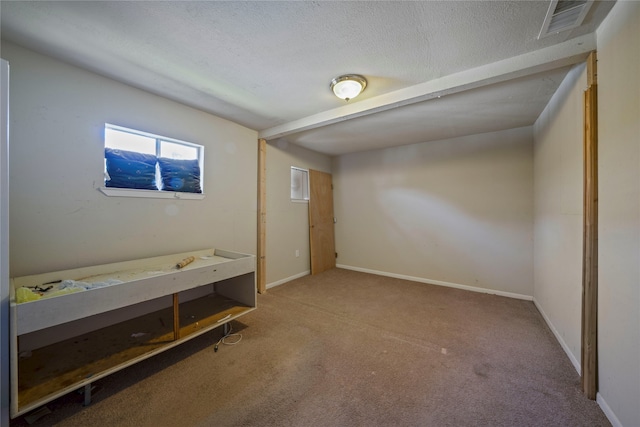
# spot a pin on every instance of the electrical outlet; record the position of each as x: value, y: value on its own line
x: 297, y: 253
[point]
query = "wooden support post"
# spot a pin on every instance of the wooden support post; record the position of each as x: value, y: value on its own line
x: 589, y: 352
x: 176, y: 317
x: 262, y: 217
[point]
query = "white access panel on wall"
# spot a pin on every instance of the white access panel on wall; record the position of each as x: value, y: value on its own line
x: 4, y: 246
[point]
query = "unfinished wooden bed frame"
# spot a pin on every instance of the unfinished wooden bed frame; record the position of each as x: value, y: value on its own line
x: 99, y: 331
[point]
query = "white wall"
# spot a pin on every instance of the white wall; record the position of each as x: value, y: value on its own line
x: 619, y: 212
x: 287, y: 221
x: 558, y: 189
x: 455, y: 212
x: 60, y: 220
x: 558, y: 213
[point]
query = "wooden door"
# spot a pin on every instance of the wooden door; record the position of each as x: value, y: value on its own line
x: 321, y: 237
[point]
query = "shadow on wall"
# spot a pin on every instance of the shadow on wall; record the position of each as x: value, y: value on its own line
x: 458, y: 211
x: 434, y: 229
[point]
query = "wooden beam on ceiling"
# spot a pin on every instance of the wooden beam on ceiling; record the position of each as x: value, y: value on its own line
x: 563, y: 54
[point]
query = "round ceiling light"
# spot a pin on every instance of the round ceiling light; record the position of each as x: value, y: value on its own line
x: 348, y: 86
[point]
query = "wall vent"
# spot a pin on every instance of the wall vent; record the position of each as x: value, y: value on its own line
x: 564, y: 15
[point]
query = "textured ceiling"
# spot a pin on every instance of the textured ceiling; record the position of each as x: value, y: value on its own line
x: 267, y: 65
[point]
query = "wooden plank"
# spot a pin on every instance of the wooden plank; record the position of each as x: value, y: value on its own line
x: 143, y: 280
x: 176, y: 317
x: 589, y: 350
x: 563, y: 54
x: 592, y: 69
x: 57, y: 369
x: 68, y: 364
x: 321, y: 225
x: 262, y: 217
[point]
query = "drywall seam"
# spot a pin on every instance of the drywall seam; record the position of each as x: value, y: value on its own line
x: 288, y: 279
x: 563, y: 344
x: 439, y: 283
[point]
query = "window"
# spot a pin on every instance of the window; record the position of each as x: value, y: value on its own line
x: 299, y: 184
x: 136, y: 160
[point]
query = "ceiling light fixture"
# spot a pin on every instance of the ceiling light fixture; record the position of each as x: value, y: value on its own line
x: 348, y: 86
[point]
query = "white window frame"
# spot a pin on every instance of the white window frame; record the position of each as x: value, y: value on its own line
x: 155, y: 194
x: 305, y: 182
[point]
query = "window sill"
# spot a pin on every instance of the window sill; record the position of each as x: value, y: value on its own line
x: 299, y: 200
x: 149, y: 194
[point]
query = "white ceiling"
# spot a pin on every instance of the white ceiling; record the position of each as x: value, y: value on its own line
x: 436, y: 69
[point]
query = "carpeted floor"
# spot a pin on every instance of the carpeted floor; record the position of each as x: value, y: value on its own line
x: 351, y: 349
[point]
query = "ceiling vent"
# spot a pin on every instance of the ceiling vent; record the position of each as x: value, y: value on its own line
x: 564, y: 15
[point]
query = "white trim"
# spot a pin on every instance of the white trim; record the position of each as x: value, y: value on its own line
x: 615, y: 422
x: 563, y: 344
x: 288, y: 279
x: 305, y: 180
x: 155, y: 136
x: 439, y: 283
x: 149, y: 194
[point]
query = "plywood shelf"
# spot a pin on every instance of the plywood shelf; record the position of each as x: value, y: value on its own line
x: 67, y: 365
x: 50, y: 371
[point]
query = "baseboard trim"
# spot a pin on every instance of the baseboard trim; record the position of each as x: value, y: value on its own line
x: 288, y: 279
x: 615, y: 422
x: 438, y: 282
x: 563, y: 344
